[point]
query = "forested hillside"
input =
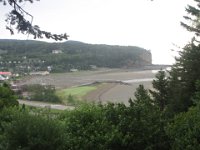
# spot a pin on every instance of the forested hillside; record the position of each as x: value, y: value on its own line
x: 26, y: 55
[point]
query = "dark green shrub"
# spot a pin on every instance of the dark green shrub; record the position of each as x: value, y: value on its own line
x: 31, y: 132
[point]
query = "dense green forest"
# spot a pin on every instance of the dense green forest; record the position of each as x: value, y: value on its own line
x: 25, y: 56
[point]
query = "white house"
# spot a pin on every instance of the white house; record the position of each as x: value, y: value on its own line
x: 57, y: 51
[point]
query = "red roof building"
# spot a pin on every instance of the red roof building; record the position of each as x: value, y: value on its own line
x: 6, y: 73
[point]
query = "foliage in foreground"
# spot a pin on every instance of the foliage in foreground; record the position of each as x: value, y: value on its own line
x: 111, y: 126
x: 141, y: 125
x: 22, y: 130
x: 7, y: 97
x: 184, y: 132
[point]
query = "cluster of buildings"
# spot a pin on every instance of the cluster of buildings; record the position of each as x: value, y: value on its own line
x: 5, y: 76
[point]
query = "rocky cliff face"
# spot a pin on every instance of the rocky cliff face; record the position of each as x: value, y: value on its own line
x: 146, y: 58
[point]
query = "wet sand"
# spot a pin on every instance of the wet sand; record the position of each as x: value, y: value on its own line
x: 119, y: 87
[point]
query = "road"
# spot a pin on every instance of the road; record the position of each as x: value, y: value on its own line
x: 45, y: 105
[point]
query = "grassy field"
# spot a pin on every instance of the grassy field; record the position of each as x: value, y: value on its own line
x: 76, y: 92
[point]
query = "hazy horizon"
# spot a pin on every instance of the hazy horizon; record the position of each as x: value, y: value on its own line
x: 153, y: 25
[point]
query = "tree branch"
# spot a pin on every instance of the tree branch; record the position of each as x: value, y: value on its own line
x: 17, y: 19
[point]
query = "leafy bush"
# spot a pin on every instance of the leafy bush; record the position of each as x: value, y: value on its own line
x: 27, y: 131
x: 184, y: 131
x: 7, y: 97
x: 115, y: 126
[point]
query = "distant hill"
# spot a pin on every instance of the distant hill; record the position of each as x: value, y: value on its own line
x: 28, y: 55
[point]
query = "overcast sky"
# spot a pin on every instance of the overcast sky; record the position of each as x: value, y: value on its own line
x: 153, y: 25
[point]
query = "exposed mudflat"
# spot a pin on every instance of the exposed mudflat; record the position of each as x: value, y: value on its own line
x: 115, y: 92
x: 120, y: 84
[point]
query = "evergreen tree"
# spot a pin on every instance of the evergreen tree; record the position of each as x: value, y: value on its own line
x: 142, y: 95
x: 144, y: 114
x: 186, y: 71
x: 183, y: 77
x: 160, y: 92
x: 193, y: 17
